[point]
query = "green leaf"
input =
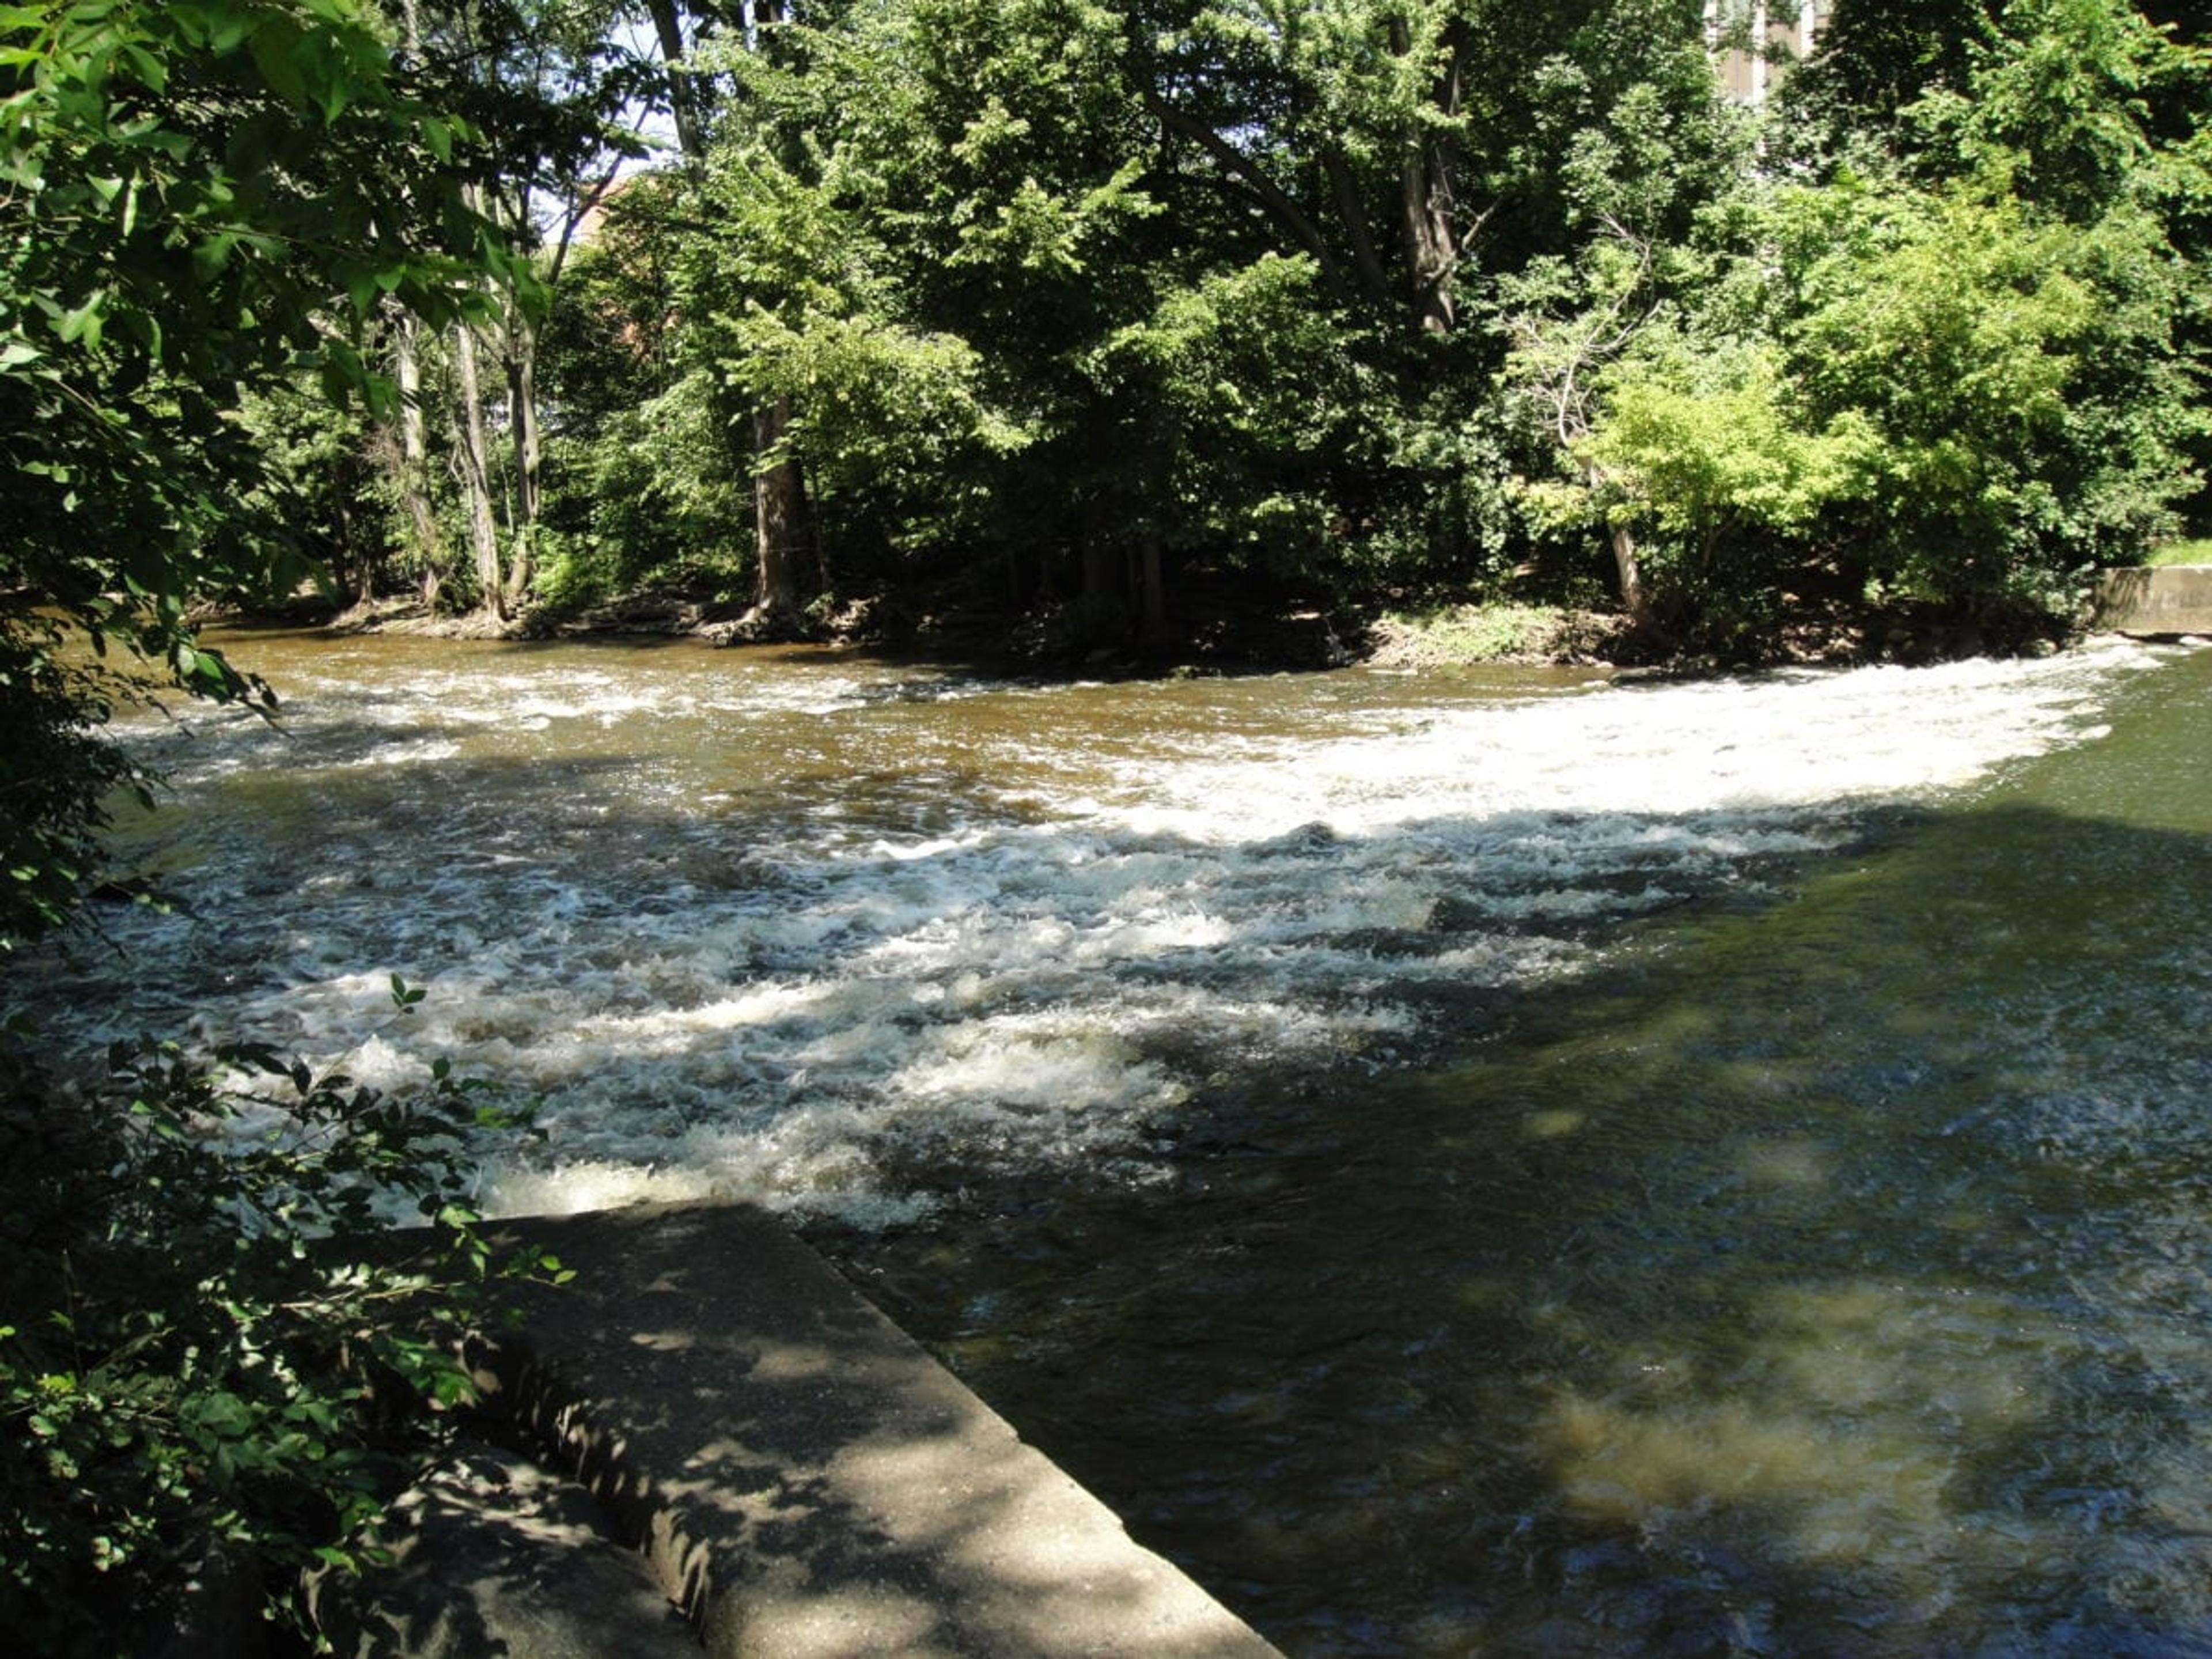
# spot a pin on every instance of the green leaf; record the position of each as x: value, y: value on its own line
x: 277, y: 46
x: 213, y: 253
x: 82, y: 324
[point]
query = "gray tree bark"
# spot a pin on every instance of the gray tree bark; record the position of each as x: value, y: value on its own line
x: 471, y: 466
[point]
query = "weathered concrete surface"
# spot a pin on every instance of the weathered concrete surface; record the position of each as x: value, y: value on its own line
x: 493, y: 1555
x: 2170, y: 600
x: 808, y: 1483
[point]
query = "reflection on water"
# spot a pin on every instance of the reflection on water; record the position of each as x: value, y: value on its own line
x: 1510, y: 1164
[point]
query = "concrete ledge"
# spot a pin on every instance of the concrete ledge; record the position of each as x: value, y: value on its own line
x: 491, y: 1554
x: 2161, y: 602
x: 806, y: 1482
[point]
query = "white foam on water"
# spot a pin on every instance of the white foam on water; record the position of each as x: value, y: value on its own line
x: 1089, y: 923
x: 1776, y: 741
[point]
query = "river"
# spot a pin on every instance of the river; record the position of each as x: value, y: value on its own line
x: 1497, y: 1162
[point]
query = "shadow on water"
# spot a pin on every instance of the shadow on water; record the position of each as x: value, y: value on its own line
x: 1832, y: 1280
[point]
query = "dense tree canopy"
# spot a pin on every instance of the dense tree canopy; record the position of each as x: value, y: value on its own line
x: 207, y: 211
x: 1073, y: 308
x: 201, y: 204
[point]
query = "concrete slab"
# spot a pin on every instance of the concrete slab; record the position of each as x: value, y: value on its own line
x: 2172, y: 599
x: 493, y: 1555
x: 807, y: 1482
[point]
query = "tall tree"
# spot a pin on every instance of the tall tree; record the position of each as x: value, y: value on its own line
x: 558, y: 93
x: 694, y: 35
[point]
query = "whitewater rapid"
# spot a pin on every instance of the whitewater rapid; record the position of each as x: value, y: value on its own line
x: 840, y: 939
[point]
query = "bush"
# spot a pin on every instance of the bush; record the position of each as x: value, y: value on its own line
x: 211, y: 1340
x: 55, y: 772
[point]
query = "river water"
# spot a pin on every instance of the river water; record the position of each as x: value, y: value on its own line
x: 1487, y: 1162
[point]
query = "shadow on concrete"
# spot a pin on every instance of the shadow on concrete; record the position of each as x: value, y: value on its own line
x: 2153, y: 603
x: 492, y: 1555
x: 802, y: 1477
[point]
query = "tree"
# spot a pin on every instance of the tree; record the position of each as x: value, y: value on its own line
x: 2020, y: 371
x: 197, y: 205
x: 721, y: 37
x: 200, y: 204
x: 556, y: 91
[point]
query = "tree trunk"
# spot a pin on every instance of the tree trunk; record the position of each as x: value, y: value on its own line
x: 426, y: 537
x: 780, y: 505
x: 683, y: 105
x: 520, y: 361
x: 1425, y: 217
x: 472, y: 465
x: 1426, y: 199
x: 1635, y: 599
x: 1353, y: 212
x: 780, y: 516
x: 1151, y: 589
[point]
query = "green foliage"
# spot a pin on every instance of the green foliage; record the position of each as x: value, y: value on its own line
x: 2061, y: 106
x: 209, y: 1339
x: 55, y: 775
x: 314, y: 487
x: 2021, y: 373
x: 1232, y: 402
x: 1488, y: 632
x: 1704, y: 451
x: 1046, y: 284
x: 195, y: 202
x: 647, y: 497
x: 1877, y: 58
x: 1037, y: 290
x: 201, y: 201
x: 1956, y: 372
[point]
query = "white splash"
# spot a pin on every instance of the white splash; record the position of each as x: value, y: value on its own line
x: 662, y: 902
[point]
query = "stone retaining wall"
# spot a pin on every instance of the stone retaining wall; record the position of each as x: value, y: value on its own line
x: 2153, y: 603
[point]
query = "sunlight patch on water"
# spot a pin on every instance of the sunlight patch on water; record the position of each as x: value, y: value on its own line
x: 1846, y: 1438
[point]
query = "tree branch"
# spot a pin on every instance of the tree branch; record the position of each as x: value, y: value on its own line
x: 1285, y: 212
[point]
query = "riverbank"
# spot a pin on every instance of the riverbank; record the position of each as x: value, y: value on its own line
x: 1406, y: 634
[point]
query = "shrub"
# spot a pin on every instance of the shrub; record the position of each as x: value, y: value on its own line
x: 209, y: 1337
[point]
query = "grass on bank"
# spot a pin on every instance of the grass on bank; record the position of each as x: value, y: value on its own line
x: 1496, y: 633
x: 2198, y: 551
